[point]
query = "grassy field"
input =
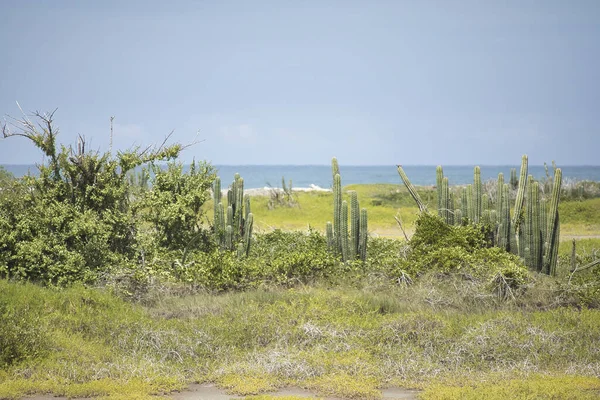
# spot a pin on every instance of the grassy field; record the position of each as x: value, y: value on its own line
x: 337, y: 341
x: 448, y: 335
x: 579, y: 219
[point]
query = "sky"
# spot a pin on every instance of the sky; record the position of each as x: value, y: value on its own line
x: 298, y: 82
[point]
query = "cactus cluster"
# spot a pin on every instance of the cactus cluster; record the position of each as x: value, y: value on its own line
x: 532, y: 232
x: 233, y: 225
x: 349, y: 244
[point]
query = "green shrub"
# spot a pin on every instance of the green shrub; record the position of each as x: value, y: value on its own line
x: 437, y: 246
x: 75, y: 220
x: 174, y: 203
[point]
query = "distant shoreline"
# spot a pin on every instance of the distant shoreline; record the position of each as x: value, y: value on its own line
x: 311, y: 176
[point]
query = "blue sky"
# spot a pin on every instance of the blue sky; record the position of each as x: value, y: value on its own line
x: 297, y: 82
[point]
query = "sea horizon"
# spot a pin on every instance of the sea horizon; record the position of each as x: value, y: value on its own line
x: 258, y: 176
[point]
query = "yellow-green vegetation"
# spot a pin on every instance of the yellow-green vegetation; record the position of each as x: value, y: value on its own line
x: 580, y: 217
x: 443, y: 333
x: 538, y: 387
x: 384, y: 201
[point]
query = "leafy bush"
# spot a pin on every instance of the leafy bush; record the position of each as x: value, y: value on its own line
x: 76, y: 219
x: 174, y: 203
x: 437, y: 246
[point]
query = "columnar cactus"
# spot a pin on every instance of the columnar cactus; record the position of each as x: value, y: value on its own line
x: 518, y: 212
x: 354, y: 225
x: 514, y: 182
x: 344, y: 232
x: 444, y: 204
x: 348, y: 245
x: 233, y: 228
x: 439, y: 172
x: 363, y: 235
x: 458, y: 217
x: 505, y: 223
x: 464, y: 205
x: 477, y: 193
x: 329, y: 235
x: 552, y: 229
x: 470, y: 203
x: 337, y: 211
x: 411, y: 189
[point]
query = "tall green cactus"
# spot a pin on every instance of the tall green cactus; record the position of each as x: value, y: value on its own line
x: 363, y: 235
x: 337, y: 212
x: 458, y: 217
x: 505, y: 223
x: 444, y: 204
x: 536, y: 234
x: 339, y: 240
x: 464, y: 205
x: 439, y: 177
x: 514, y: 182
x: 411, y: 189
x: 216, y: 195
x: 335, y: 167
x: 354, y: 225
x: 518, y: 212
x: 233, y: 228
x: 329, y: 235
x: 552, y: 229
x: 477, y: 193
x: 344, y: 232
x: 248, y: 225
x: 470, y: 204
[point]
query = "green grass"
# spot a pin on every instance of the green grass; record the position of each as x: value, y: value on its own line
x: 440, y: 333
x: 384, y: 201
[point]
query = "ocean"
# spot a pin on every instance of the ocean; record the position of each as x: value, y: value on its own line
x: 304, y: 176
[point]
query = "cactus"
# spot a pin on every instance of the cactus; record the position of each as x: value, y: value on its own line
x: 248, y: 233
x: 444, y: 204
x: 464, y: 205
x: 233, y: 227
x: 458, y: 217
x: 229, y: 221
x: 354, y: 225
x: 552, y: 229
x: 329, y: 235
x: 518, y: 212
x: 337, y: 211
x: 363, y: 235
x: 450, y: 208
x: 439, y: 172
x: 505, y: 223
x: 514, y: 182
x: 220, y: 225
x: 335, y: 167
x: 477, y: 193
x: 348, y: 246
x: 536, y: 244
x: 485, y: 209
x: 411, y: 189
x: 543, y: 222
x: 470, y: 205
x: 228, y: 237
x: 247, y: 210
x: 216, y: 196
x: 499, y: 192
x: 344, y: 232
